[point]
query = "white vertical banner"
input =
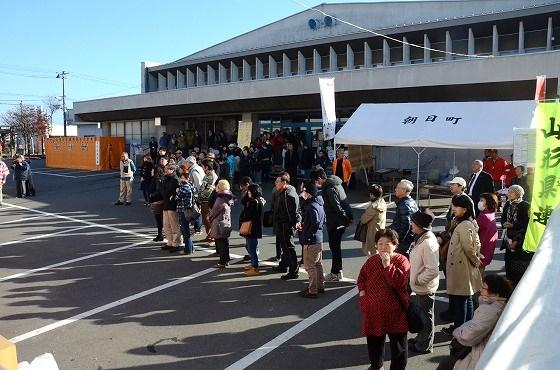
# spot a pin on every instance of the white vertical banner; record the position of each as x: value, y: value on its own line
x: 326, y: 87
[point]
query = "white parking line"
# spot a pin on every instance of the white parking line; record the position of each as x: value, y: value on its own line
x: 45, y: 235
x: 53, y: 174
x: 21, y: 220
x: 292, y: 332
x: 108, y: 306
x: 107, y: 227
x: 32, y: 271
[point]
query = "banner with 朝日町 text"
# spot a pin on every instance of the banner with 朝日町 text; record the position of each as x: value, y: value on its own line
x: 546, y: 188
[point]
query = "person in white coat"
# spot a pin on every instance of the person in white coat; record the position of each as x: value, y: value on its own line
x: 424, y: 276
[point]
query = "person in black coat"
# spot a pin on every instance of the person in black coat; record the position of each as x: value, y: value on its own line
x: 153, y: 149
x: 480, y: 182
x: 291, y: 162
x: 252, y: 212
x: 21, y: 173
x: 146, y: 174
x: 170, y: 219
x: 515, y: 219
x: 307, y: 159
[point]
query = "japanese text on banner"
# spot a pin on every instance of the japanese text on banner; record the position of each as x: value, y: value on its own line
x: 546, y: 193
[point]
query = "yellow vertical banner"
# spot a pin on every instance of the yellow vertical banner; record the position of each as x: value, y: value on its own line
x: 546, y: 188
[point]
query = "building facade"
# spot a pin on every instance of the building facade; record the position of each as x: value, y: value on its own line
x: 474, y: 50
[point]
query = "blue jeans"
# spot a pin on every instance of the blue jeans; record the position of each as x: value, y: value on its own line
x: 252, y: 245
x: 462, y: 307
x: 186, y: 232
x: 197, y: 224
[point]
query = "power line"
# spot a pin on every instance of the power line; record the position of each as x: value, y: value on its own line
x: 388, y: 37
x: 23, y: 74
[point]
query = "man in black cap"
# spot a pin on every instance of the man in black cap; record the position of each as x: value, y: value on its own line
x: 424, y: 276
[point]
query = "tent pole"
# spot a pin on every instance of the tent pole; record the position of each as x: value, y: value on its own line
x: 418, y: 153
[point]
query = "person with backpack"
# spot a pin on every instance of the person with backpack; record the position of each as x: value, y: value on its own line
x: 339, y: 216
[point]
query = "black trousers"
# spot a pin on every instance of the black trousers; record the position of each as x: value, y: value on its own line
x: 335, y: 240
x: 289, y: 256
x: 222, y: 247
x: 399, y: 350
x: 159, y: 222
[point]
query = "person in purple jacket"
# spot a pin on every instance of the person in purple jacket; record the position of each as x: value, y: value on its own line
x: 488, y: 231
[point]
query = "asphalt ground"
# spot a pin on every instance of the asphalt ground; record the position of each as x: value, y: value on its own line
x: 81, y: 279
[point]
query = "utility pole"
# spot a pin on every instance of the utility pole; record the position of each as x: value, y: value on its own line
x: 63, y: 75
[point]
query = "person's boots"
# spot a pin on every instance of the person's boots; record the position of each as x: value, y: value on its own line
x: 252, y: 272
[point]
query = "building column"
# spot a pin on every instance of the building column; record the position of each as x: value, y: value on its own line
x: 246, y: 70
x: 495, y: 41
x: 272, y: 67
x: 471, y: 42
x: 222, y: 74
x: 405, y: 51
x: 549, y: 36
x: 316, y: 61
x: 448, y: 46
x: 368, y: 58
x: 349, y: 57
x: 333, y: 60
x: 233, y: 72
x: 190, y: 78
x: 521, y: 41
x: 386, y: 53
x: 247, y: 129
x: 300, y: 63
x: 152, y: 83
x: 427, y: 53
x: 180, y: 79
x: 146, y: 84
x: 200, y: 81
x: 162, y: 82
x: 210, y: 75
x: 171, y: 81
x: 286, y: 65
x: 259, y: 69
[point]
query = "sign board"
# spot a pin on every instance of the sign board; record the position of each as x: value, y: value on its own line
x: 524, y: 146
x: 244, y: 134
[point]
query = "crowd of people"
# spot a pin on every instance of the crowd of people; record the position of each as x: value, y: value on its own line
x: 405, y: 256
x: 22, y: 176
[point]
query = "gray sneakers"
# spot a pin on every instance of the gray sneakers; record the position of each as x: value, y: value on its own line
x: 334, y: 277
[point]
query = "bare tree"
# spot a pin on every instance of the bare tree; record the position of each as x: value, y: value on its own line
x: 28, y: 122
x: 52, y: 104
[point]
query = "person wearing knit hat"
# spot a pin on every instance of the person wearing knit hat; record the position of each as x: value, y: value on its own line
x: 311, y: 238
x: 463, y: 261
x: 515, y: 219
x: 424, y: 276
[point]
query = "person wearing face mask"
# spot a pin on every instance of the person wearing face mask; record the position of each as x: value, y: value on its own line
x: 374, y: 218
x: 515, y: 219
x: 463, y: 261
x: 311, y: 238
x: 496, y: 290
x: 487, y: 229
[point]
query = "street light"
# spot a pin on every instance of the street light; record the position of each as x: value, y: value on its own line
x: 63, y: 75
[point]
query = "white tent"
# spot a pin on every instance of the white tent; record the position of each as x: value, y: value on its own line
x: 457, y: 125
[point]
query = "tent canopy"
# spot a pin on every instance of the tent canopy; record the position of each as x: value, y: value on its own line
x: 459, y: 125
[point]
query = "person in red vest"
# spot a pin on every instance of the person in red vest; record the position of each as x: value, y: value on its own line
x: 495, y: 166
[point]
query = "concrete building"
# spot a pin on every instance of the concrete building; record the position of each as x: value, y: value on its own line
x: 492, y: 50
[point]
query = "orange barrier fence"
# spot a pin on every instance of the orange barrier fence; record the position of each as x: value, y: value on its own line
x: 84, y: 153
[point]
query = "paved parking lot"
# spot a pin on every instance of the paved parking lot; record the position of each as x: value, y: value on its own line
x: 81, y: 278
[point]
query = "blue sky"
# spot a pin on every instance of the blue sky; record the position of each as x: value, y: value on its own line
x: 101, y: 43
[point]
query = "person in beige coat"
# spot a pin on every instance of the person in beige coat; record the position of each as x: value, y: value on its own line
x: 475, y: 333
x: 374, y: 218
x: 424, y: 276
x: 463, y: 261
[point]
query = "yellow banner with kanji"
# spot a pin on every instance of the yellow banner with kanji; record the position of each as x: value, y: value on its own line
x: 546, y: 188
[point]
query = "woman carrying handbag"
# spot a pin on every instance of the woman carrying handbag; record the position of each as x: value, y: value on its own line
x: 250, y: 226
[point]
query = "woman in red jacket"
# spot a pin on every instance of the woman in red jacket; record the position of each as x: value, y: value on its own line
x: 384, y: 276
x: 487, y: 229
